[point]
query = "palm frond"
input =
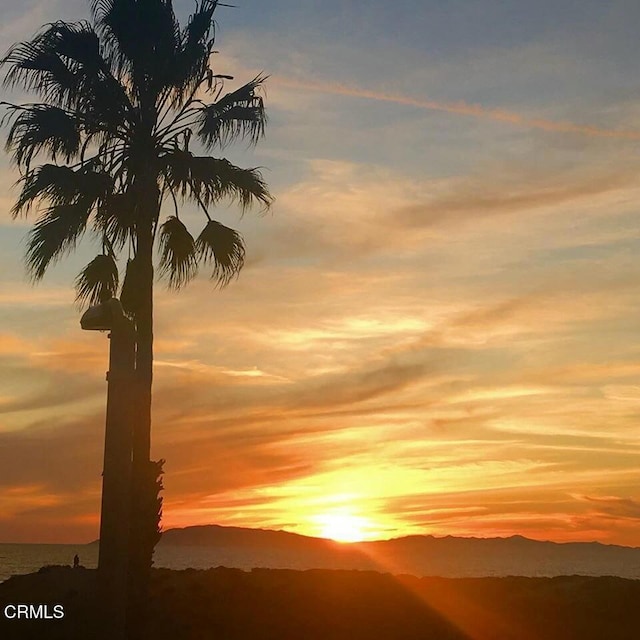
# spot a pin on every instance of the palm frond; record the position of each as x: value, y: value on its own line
x: 224, y: 249
x: 51, y: 181
x: 36, y: 67
x: 136, y: 51
x: 42, y: 128
x: 55, y: 234
x: 62, y: 63
x: 114, y: 19
x: 100, y: 8
x: 65, y: 65
x: 239, y: 114
x: 200, y: 26
x: 76, y: 42
x: 115, y: 218
x: 178, y: 256
x: 62, y: 185
x: 98, y: 95
x: 209, y: 180
x: 189, y: 66
x: 97, y: 282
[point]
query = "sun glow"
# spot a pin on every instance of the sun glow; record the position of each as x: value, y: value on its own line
x: 343, y: 527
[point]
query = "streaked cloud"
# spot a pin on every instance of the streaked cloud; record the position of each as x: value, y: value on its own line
x: 464, y: 109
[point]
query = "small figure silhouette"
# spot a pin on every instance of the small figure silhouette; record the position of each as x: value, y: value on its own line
x: 76, y: 561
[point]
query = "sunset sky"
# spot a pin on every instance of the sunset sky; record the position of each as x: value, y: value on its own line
x: 438, y: 326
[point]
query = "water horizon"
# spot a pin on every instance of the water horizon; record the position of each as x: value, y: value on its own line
x: 24, y: 558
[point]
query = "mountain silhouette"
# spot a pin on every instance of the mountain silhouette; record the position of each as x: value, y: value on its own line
x: 215, y: 545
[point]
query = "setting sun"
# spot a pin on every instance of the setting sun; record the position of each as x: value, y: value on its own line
x: 343, y: 527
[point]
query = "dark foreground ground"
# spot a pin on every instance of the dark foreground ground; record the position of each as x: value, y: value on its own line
x: 229, y: 604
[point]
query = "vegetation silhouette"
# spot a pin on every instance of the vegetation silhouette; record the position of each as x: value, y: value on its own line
x: 271, y: 604
x: 125, y: 100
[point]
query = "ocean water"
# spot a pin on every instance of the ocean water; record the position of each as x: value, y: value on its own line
x: 16, y: 559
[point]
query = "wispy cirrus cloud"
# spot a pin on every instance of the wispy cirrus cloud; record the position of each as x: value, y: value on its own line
x: 615, y: 506
x: 461, y: 108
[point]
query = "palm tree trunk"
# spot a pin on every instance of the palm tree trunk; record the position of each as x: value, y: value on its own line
x: 144, y: 349
x: 148, y: 209
x: 145, y: 512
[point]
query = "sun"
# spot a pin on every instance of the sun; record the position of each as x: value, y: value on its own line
x: 343, y: 527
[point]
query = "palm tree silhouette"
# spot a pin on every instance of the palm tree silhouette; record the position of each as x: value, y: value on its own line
x: 123, y: 99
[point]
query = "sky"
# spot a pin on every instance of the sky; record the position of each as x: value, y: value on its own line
x: 436, y: 331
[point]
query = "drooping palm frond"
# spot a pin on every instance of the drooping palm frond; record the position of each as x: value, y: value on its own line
x: 178, y: 256
x: 42, y: 128
x: 239, y: 114
x: 208, y: 180
x: 59, y: 185
x: 224, y: 249
x: 54, y: 234
x: 97, y: 282
x: 49, y: 181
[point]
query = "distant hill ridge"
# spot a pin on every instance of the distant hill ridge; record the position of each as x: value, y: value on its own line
x: 215, y: 533
x: 419, y: 555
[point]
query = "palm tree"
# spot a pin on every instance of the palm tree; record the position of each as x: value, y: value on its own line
x: 126, y: 101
